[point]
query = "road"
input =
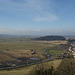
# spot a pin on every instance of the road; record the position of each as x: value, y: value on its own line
x: 36, y: 62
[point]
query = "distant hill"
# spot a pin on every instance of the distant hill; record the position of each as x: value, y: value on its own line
x: 50, y: 38
x: 71, y: 40
x: 7, y: 37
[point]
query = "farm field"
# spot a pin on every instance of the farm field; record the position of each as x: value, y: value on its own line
x: 24, y: 45
x: 27, y: 45
x: 26, y: 70
x: 55, y: 52
x: 4, y: 57
x: 22, y: 49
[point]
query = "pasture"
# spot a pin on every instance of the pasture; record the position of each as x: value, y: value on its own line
x: 23, y: 45
x: 22, y: 49
x: 55, y: 52
x: 27, y: 45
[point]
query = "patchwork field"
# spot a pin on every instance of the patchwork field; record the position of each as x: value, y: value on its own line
x: 19, y: 49
x: 9, y: 50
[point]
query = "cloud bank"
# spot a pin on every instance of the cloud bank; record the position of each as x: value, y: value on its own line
x: 35, y: 32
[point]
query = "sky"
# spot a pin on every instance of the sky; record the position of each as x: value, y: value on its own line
x: 37, y: 17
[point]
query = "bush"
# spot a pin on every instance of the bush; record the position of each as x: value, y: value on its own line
x: 67, y: 67
x: 42, y: 70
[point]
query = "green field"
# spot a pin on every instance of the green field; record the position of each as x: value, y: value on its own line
x: 55, y: 52
x: 23, y: 45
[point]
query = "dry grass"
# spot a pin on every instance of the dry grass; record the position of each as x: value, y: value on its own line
x: 53, y: 42
x: 27, y: 45
x: 22, y: 71
x: 26, y: 70
x: 24, y: 53
x: 4, y: 58
x: 22, y: 49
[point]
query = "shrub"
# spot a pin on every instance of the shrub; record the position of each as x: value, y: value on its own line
x: 43, y: 70
x: 67, y: 67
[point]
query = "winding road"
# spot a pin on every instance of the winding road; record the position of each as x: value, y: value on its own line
x: 36, y: 62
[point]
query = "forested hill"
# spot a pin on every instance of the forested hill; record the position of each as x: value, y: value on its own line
x: 50, y: 38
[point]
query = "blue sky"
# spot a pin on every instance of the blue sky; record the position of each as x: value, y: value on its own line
x: 37, y: 17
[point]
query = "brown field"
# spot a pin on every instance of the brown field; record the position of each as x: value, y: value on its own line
x: 4, y: 58
x: 23, y: 53
x: 54, y: 42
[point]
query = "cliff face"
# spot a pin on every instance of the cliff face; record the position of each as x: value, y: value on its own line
x: 50, y: 38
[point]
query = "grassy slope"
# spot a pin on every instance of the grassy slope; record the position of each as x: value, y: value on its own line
x: 26, y: 70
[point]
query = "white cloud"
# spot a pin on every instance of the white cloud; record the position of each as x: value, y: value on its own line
x: 25, y: 5
x: 47, y: 18
x: 36, y: 30
x: 30, y: 8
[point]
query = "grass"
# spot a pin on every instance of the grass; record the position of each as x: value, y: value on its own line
x: 55, y: 52
x: 23, y: 45
x: 4, y: 58
x: 67, y: 67
x: 24, y: 54
x: 22, y: 48
x: 17, y: 48
x: 26, y: 70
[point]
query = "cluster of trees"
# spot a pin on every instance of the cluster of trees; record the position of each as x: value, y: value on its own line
x: 50, y: 38
x: 71, y: 40
x: 67, y: 67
